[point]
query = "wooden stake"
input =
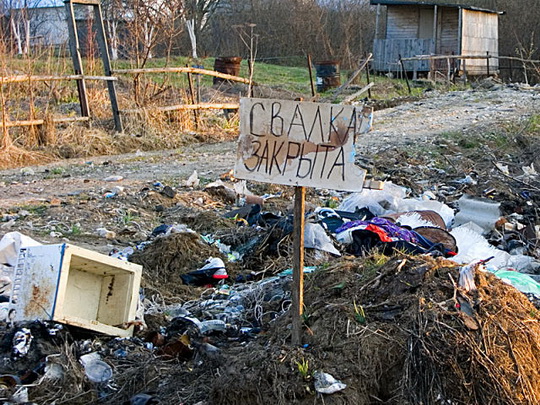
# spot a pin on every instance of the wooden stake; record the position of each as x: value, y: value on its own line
x: 298, y: 265
x: 192, y: 96
x: 104, y: 51
x: 310, y: 68
x: 367, y: 78
x: 76, y: 57
x: 405, y: 74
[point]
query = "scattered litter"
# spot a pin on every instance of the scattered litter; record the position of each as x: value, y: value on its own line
x: 315, y: 237
x: 113, y: 178
x: 105, y: 233
x: 95, y: 369
x: 212, y: 272
x: 193, y: 180
x: 482, y: 212
x: 327, y: 384
x: 21, y: 343
x: 27, y: 171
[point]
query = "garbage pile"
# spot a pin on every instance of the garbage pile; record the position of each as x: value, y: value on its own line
x: 405, y: 302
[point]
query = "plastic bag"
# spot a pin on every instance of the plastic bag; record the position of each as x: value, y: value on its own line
x: 522, y: 282
x: 315, y: 237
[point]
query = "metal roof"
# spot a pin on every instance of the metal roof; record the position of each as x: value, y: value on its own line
x: 480, y: 5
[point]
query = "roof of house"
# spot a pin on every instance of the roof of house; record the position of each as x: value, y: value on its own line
x: 37, y: 4
x: 481, y: 5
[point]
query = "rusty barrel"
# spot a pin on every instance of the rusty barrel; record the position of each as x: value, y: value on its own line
x: 228, y: 65
x: 328, y: 75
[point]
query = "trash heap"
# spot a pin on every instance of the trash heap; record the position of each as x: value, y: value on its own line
x: 405, y: 303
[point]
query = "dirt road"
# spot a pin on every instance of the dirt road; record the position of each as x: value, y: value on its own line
x: 415, y: 122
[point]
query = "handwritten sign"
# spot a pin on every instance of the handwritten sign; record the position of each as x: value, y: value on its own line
x: 300, y: 143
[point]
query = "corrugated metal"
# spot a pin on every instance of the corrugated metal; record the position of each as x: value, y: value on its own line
x: 485, y: 5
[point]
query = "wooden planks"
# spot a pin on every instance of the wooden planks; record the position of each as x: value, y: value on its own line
x: 479, y: 36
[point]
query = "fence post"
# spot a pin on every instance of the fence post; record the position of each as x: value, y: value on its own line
x: 104, y: 50
x: 487, y: 59
x: 76, y: 57
x: 405, y: 74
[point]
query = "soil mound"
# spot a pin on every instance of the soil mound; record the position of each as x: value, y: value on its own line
x: 405, y: 333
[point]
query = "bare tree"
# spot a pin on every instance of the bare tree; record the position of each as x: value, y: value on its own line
x: 196, y: 15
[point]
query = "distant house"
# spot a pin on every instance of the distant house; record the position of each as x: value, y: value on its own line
x: 436, y: 27
x: 47, y: 19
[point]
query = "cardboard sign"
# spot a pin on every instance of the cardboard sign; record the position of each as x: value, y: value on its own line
x: 300, y: 144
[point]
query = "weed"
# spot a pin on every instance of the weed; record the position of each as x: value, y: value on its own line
x: 35, y: 209
x: 57, y: 170
x: 303, y: 368
x: 332, y: 203
x: 75, y: 229
x: 128, y: 217
x: 359, y: 314
x: 373, y: 263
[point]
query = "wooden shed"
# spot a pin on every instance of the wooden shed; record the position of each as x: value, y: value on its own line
x: 436, y: 27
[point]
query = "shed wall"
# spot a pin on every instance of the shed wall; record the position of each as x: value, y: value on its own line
x: 448, y: 35
x: 402, y: 22
x: 479, y: 36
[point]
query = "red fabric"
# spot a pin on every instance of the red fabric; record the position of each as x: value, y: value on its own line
x: 379, y: 231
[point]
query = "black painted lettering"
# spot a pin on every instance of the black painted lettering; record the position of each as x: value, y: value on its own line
x: 338, y: 162
x: 264, y: 156
x: 289, y: 155
x: 252, y: 118
x: 255, y: 154
x: 276, y: 122
x: 275, y: 153
x: 317, y: 120
x: 352, y: 125
x: 314, y: 162
x: 333, y: 119
x: 297, y: 120
x: 327, y: 148
x: 303, y: 160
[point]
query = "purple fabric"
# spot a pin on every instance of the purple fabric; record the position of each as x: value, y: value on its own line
x: 393, y: 230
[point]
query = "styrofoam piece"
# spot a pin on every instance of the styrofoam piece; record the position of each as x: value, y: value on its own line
x: 75, y: 286
x: 10, y: 244
x: 482, y: 212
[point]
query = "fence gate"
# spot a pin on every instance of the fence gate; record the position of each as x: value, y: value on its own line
x: 103, y: 50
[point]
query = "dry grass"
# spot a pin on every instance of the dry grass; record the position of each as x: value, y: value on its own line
x: 148, y: 129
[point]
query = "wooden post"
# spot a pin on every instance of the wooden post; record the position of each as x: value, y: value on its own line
x: 487, y: 59
x: 104, y: 50
x: 192, y: 96
x: 76, y: 57
x: 378, y: 16
x: 435, y: 23
x: 405, y: 74
x: 298, y: 265
x: 511, y: 70
x: 310, y: 68
x: 449, y: 68
x: 368, y: 81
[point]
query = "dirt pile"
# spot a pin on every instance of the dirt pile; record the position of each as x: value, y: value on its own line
x: 405, y: 334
